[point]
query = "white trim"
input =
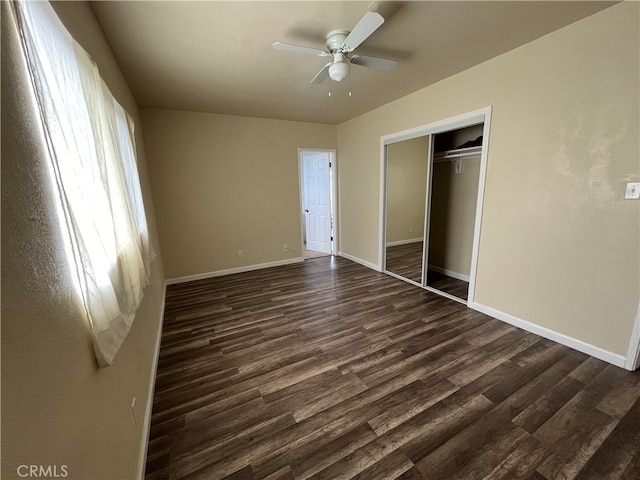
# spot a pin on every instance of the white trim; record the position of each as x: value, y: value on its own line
x: 475, y: 117
x: 482, y: 180
x: 370, y: 265
x: 382, y: 206
x: 230, y: 271
x: 146, y: 427
x: 633, y: 354
x: 334, y: 201
x: 334, y: 195
x: 453, y: 123
x: 450, y: 273
x: 597, y: 352
x: 404, y: 242
x: 426, y: 233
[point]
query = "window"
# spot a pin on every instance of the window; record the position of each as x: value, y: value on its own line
x: 90, y: 143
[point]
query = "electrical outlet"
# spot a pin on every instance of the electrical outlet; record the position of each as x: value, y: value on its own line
x: 240, y: 253
x: 133, y: 411
x: 633, y: 191
x: 285, y: 247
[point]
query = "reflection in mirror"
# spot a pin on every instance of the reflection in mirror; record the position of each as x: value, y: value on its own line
x: 405, y: 202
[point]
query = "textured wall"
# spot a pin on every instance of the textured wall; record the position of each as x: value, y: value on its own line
x: 559, y: 244
x: 225, y: 183
x: 58, y: 408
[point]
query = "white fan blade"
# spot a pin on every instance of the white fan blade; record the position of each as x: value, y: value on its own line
x: 368, y: 24
x: 373, y: 62
x: 322, y: 74
x: 287, y: 47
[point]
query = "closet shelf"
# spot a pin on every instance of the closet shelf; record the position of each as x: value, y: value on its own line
x: 458, y: 153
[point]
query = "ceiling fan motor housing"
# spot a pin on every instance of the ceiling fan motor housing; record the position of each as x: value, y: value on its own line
x: 335, y: 40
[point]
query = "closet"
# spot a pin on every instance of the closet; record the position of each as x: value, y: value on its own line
x: 433, y: 180
x: 454, y: 193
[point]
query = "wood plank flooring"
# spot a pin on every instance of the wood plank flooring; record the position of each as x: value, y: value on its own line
x: 313, y: 254
x: 328, y: 370
x: 406, y: 261
x: 444, y: 283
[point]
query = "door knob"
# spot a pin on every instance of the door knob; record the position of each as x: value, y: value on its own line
x: 306, y: 210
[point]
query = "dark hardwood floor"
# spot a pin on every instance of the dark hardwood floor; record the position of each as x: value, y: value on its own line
x: 328, y: 370
x: 406, y: 261
x: 445, y: 283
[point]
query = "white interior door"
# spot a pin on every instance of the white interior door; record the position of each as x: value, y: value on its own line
x: 317, y: 201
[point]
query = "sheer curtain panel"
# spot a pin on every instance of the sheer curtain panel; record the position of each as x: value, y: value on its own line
x: 90, y: 143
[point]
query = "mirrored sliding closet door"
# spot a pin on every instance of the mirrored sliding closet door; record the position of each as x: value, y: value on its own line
x: 433, y: 183
x: 406, y: 192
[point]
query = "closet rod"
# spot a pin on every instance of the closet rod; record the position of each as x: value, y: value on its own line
x: 459, y: 153
x: 457, y: 156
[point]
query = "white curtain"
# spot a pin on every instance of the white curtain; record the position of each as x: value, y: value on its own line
x: 90, y: 142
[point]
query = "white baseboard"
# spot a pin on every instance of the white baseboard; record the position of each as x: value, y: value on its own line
x: 579, y: 345
x: 404, y: 242
x: 370, y: 265
x: 450, y: 273
x: 230, y: 271
x: 597, y: 352
x: 633, y: 355
x: 146, y: 426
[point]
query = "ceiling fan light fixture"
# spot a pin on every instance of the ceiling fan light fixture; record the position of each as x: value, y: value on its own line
x: 338, y: 71
x: 341, y: 43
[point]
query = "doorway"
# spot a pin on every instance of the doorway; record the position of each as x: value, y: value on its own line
x: 317, y: 195
x: 432, y: 191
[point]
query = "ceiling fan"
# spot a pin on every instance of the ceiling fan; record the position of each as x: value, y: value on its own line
x: 340, y: 45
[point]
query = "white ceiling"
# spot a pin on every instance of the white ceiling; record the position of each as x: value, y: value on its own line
x: 217, y: 56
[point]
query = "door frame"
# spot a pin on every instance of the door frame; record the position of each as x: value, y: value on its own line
x: 475, y: 117
x: 632, y: 361
x: 333, y: 178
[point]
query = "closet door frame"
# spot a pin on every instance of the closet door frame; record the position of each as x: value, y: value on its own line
x: 482, y: 115
x: 427, y: 211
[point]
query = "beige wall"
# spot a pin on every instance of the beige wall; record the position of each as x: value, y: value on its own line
x: 57, y: 407
x: 559, y: 244
x: 406, y: 189
x: 226, y: 183
x: 453, y: 209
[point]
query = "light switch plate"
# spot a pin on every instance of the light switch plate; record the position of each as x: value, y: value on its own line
x: 633, y: 191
